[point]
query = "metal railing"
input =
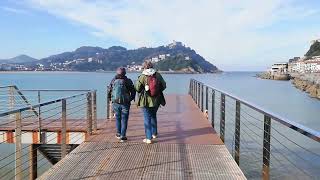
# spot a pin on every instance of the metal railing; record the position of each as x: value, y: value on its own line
x: 12, y: 98
x: 42, y: 119
x: 262, y: 143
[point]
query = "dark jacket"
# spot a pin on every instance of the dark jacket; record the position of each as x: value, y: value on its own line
x: 129, y: 86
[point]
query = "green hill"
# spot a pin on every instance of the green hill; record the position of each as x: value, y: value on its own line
x: 314, y: 50
x: 172, y: 57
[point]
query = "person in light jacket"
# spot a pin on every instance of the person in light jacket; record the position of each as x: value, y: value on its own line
x: 150, y: 86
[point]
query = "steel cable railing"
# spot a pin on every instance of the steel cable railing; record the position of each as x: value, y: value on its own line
x: 53, y: 123
x: 262, y: 143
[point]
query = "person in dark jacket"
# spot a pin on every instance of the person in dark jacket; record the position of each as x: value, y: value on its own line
x: 121, y: 92
x: 148, y: 102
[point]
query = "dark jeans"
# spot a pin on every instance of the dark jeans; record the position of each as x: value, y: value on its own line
x: 122, y: 115
x: 150, y: 121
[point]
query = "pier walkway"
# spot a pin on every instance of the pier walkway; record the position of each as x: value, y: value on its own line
x: 187, y: 148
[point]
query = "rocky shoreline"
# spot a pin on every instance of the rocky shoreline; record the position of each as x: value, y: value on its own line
x: 267, y: 75
x: 309, y: 83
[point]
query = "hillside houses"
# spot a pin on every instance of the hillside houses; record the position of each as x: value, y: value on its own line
x: 303, y: 65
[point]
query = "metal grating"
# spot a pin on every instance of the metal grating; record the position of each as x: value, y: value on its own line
x: 96, y: 160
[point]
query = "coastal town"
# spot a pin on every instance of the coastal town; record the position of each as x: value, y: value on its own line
x: 303, y: 71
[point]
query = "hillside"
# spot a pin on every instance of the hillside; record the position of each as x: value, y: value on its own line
x: 19, y: 59
x: 314, y: 50
x: 174, y: 57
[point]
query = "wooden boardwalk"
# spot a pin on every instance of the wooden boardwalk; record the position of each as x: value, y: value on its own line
x: 187, y: 148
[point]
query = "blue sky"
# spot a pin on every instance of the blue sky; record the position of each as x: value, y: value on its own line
x: 234, y: 35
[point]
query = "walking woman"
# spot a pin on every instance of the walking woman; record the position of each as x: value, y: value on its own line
x: 150, y: 86
x: 121, y: 93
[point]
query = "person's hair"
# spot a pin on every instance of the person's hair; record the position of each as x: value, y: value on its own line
x: 147, y: 65
x: 121, y: 71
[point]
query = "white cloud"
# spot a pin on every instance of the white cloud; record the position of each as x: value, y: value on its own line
x: 226, y: 31
x: 14, y: 10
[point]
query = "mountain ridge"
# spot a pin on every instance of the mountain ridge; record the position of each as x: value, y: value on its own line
x: 19, y: 59
x: 165, y: 58
x: 174, y: 57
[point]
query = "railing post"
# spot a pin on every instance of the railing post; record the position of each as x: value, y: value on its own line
x: 202, y: 97
x: 237, y: 134
x: 212, y: 107
x: 108, y: 104
x: 11, y: 99
x: 207, y: 98
x: 222, y: 117
x: 266, y: 147
x: 190, y: 87
x: 39, y: 117
x: 94, y: 109
x: 198, y: 95
x: 89, y: 114
x: 43, y: 136
x: 194, y: 90
x: 64, y: 129
x: 18, y: 158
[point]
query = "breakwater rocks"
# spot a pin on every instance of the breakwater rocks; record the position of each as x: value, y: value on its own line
x: 267, y: 75
x: 309, y: 83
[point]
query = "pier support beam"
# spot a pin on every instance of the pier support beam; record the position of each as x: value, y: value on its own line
x: 33, y: 160
x: 18, y: 158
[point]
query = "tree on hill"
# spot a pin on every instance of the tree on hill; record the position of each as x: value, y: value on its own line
x: 314, y: 50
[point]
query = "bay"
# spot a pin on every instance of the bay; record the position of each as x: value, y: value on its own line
x: 279, y: 97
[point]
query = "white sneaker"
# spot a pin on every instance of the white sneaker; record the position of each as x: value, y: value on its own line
x: 154, y: 136
x: 148, y: 141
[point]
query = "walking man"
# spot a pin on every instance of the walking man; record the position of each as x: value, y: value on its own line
x: 121, y: 93
x: 150, y: 86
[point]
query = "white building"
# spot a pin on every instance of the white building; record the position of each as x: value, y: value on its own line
x: 162, y: 56
x: 155, y: 59
x: 174, y: 44
x: 312, y: 66
x: 281, y: 68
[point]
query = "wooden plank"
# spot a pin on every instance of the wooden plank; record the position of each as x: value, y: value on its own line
x: 187, y: 148
x: 180, y: 121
